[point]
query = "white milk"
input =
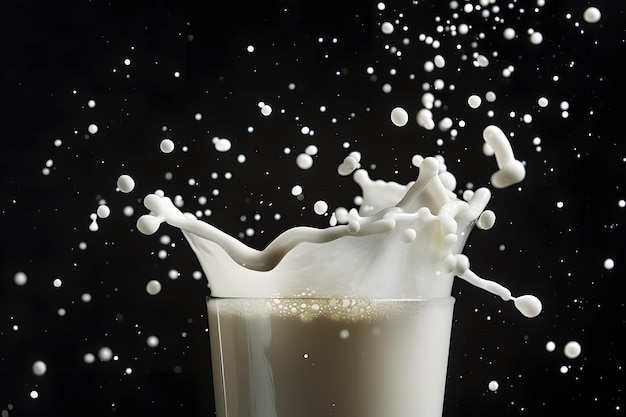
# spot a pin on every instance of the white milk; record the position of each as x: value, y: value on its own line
x: 321, y: 357
x: 404, y: 241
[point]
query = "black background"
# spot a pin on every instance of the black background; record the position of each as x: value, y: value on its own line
x: 58, y: 56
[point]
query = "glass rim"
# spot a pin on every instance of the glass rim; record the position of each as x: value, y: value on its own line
x: 324, y: 299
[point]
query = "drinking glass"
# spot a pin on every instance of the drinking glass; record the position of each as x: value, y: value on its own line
x: 342, y: 357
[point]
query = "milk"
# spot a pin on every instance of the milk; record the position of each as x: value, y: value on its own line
x: 415, y: 230
x: 340, y: 357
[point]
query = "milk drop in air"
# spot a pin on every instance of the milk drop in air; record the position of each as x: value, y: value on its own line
x: 592, y: 15
x: 125, y: 183
x: 103, y: 211
x: 105, y: 354
x: 222, y: 144
x: 511, y: 171
x: 92, y: 128
x: 152, y: 341
x: 609, y: 264
x: 425, y: 119
x: 296, y: 190
x: 399, y: 116
x: 153, y: 287
x: 20, y: 278
x: 474, y: 101
x: 266, y: 110
x: 387, y: 28
x: 493, y: 386
x: 304, y: 161
x: 40, y: 368
x: 166, y: 146
x: 550, y: 346
x: 509, y: 33
x: 486, y: 220
x: 536, y: 38
x: 311, y: 150
x: 572, y: 350
x: 320, y: 207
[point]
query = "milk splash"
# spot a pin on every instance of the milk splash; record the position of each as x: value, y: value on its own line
x: 404, y: 241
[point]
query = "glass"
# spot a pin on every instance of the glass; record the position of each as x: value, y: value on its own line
x: 329, y: 357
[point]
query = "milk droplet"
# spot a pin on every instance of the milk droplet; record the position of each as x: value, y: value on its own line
x: 425, y: 119
x: 536, y: 38
x: 266, y: 110
x: 474, y: 101
x: 93, y: 226
x: 320, y: 207
x: 92, y: 128
x: 592, y: 15
x: 528, y: 305
x: 572, y: 349
x: 550, y: 346
x: 125, y: 183
x: 486, y: 220
x: 347, y: 167
x: 493, y: 386
x: 105, y: 354
x: 387, y: 28
x: 20, y: 278
x: 509, y: 34
x: 399, y: 116
x: 304, y: 161
x: 408, y: 235
x: 511, y: 171
x: 153, y: 287
x: 103, y: 211
x: 34, y: 394
x: 609, y: 264
x: 222, y: 144
x: 311, y: 150
x: 440, y: 61
x: 39, y: 368
x: 89, y: 358
x: 152, y: 341
x: 344, y: 334
x: 296, y: 190
x: 166, y: 146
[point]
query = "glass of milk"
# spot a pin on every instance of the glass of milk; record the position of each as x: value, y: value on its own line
x: 304, y: 357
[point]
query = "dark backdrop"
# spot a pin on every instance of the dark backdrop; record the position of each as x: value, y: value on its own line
x: 552, y: 236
